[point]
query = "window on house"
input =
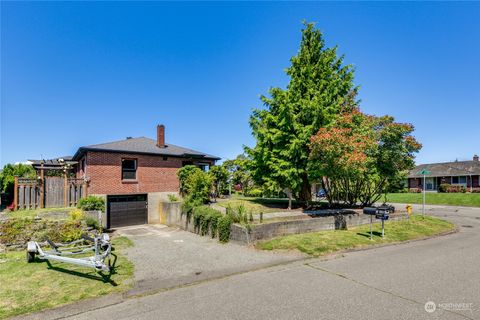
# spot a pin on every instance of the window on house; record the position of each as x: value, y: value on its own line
x: 204, y: 166
x: 129, y: 169
x: 459, y: 180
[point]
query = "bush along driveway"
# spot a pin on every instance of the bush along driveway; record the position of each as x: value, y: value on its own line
x: 325, y: 242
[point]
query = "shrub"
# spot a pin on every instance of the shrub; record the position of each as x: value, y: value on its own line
x: 183, y: 174
x: 224, y: 224
x: 196, y: 188
x: 214, y: 218
x: 92, y: 222
x: 20, y: 231
x: 443, y: 187
x: 205, y: 219
x: 238, y: 214
x: 456, y: 189
x: 92, y: 203
x: 172, y: 197
x: 415, y: 190
x: 475, y: 190
x: 256, y: 192
x: 76, y: 214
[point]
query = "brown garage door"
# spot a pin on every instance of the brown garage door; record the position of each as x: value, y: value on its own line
x: 127, y: 210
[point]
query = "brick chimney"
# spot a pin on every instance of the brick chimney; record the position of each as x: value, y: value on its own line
x: 475, y: 157
x: 161, y: 136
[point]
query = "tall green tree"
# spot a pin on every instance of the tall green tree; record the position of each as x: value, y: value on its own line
x: 220, y: 177
x: 8, y: 173
x: 320, y: 88
x: 239, y: 170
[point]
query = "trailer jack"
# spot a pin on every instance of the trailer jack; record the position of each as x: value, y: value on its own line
x: 99, y: 245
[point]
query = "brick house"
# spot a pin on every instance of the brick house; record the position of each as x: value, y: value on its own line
x: 135, y: 175
x: 464, y: 173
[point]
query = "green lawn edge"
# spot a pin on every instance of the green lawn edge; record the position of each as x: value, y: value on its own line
x: 447, y: 199
x: 325, y: 242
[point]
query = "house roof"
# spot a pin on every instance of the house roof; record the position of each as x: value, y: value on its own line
x: 445, y: 169
x: 143, y: 145
x: 53, y: 164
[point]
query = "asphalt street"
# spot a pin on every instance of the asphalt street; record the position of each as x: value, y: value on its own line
x: 392, y: 282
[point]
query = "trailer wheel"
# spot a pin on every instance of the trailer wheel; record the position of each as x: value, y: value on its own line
x: 30, y: 256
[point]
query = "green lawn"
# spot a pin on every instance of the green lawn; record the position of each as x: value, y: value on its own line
x: 257, y: 205
x: 450, y: 199
x: 324, y: 242
x: 29, y: 287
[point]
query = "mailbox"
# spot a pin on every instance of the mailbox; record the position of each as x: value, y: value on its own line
x: 370, y: 210
x: 381, y: 212
x: 382, y: 216
x: 391, y: 209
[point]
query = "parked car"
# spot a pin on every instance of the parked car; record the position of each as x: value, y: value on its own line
x: 321, y: 193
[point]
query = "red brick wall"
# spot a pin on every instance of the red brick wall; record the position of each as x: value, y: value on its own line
x: 153, y: 173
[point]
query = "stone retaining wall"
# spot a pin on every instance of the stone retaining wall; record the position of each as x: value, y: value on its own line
x: 266, y: 231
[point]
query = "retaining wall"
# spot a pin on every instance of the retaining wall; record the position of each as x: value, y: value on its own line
x: 171, y: 215
x: 266, y: 231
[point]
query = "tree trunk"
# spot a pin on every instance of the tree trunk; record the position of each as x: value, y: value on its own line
x: 305, y: 190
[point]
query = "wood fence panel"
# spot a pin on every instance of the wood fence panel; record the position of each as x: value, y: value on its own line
x: 54, y: 192
x: 28, y: 192
x: 21, y: 197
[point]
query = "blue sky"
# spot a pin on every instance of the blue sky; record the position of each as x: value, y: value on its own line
x: 75, y: 74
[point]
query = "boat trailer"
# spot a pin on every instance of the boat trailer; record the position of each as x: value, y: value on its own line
x: 100, y: 245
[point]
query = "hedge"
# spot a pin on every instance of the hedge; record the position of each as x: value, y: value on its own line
x: 208, y: 220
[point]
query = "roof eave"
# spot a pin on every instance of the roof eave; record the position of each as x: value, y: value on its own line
x: 82, y: 150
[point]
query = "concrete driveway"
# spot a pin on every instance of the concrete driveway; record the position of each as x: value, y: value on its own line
x: 168, y: 257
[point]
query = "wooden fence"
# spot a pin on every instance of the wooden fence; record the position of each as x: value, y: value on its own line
x: 49, y: 192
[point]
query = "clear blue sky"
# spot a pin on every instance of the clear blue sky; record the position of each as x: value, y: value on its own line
x: 75, y: 74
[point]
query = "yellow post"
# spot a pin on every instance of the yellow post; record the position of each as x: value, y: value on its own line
x: 409, y: 210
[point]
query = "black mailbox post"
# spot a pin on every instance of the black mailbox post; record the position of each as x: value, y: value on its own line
x: 382, y: 213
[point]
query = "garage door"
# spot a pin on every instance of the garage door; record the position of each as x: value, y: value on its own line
x: 127, y: 210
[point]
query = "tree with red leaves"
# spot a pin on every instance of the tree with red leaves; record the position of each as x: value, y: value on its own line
x: 359, y: 156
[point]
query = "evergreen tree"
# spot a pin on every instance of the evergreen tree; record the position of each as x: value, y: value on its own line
x: 320, y: 88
